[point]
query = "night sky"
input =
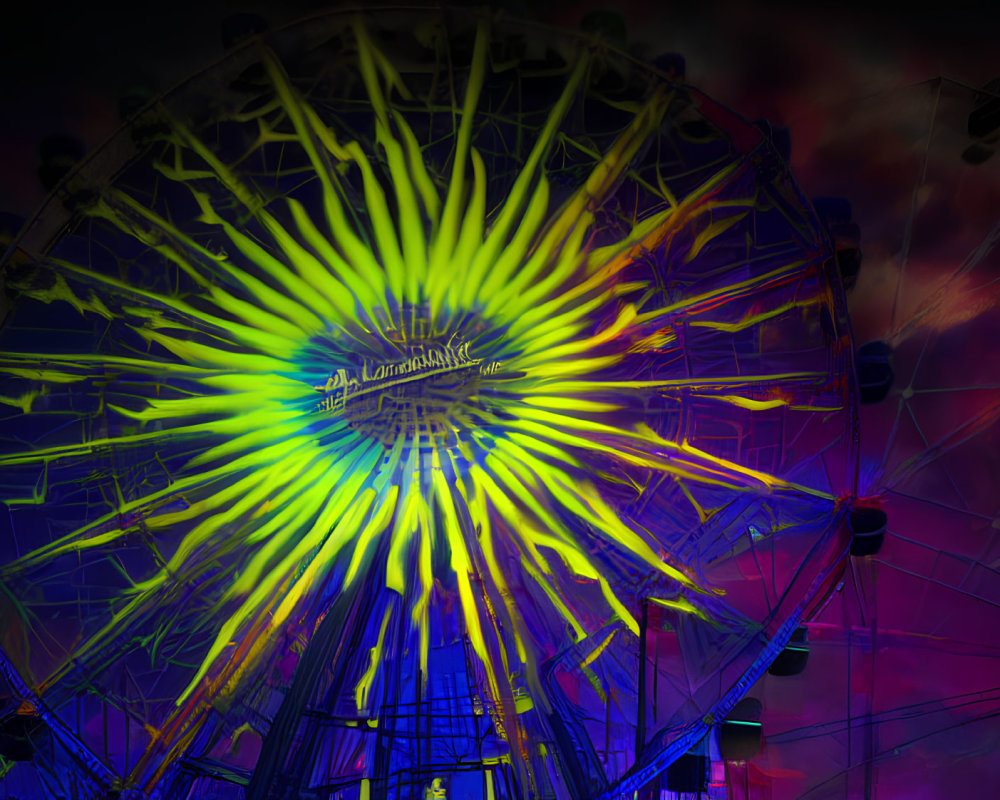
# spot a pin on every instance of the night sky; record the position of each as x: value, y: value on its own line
x: 64, y: 65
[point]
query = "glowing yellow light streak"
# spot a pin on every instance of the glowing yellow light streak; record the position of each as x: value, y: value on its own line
x: 496, y: 476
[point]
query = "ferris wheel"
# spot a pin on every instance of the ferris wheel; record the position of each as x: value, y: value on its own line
x: 426, y: 403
